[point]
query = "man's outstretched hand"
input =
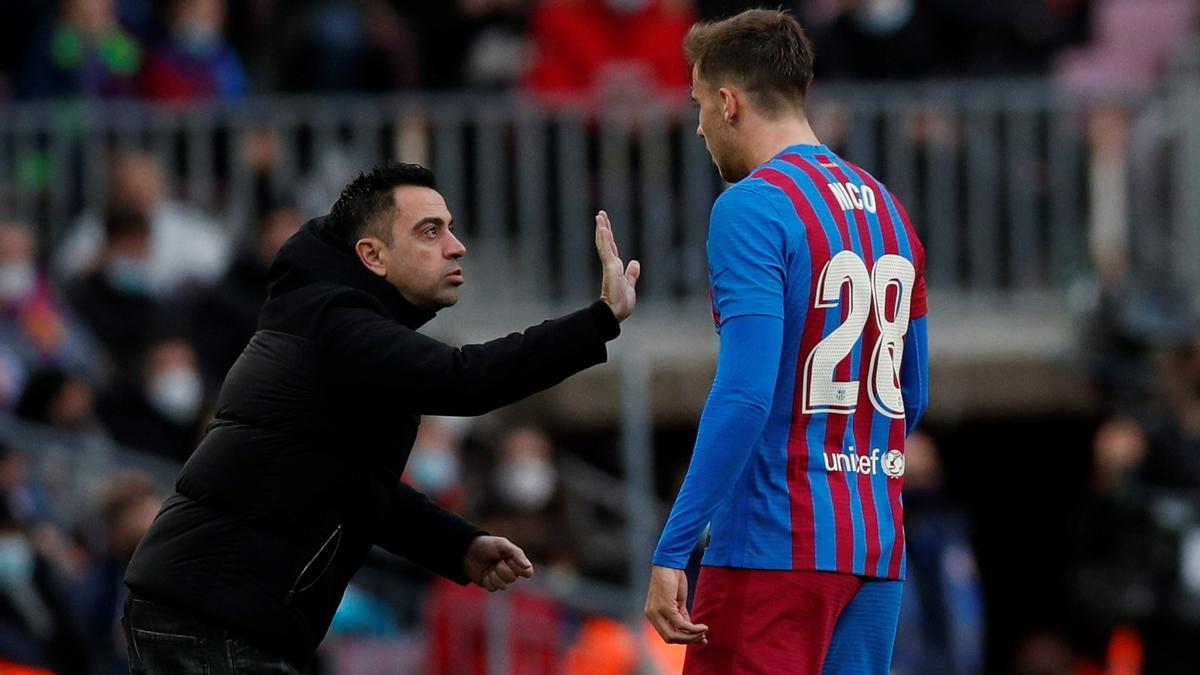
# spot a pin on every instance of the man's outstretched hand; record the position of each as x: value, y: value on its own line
x: 666, y: 607
x: 495, y: 563
x: 617, y: 287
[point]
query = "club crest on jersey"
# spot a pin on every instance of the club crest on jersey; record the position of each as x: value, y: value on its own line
x: 891, y: 463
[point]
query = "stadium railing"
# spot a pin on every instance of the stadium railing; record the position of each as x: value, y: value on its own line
x: 1016, y: 187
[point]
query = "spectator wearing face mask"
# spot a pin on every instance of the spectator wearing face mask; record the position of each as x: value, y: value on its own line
x: 527, y: 500
x: 36, y: 627
x: 34, y: 323
x: 161, y: 411
x: 195, y: 63
x: 185, y: 246
x: 116, y: 300
x: 435, y: 465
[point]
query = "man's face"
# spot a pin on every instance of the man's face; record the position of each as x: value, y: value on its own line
x: 422, y: 260
x: 717, y: 132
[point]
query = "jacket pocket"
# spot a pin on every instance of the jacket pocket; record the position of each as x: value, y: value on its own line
x: 317, y: 565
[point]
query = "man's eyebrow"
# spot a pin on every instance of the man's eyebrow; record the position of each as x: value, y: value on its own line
x: 432, y: 220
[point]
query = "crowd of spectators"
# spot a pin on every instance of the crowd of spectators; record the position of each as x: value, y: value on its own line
x: 187, y: 50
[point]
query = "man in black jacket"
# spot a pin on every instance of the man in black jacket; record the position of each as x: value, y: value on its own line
x: 299, y: 473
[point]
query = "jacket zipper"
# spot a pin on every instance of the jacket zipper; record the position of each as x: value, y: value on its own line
x: 316, y: 556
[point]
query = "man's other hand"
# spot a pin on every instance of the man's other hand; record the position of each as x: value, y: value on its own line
x: 666, y: 607
x: 495, y: 563
x: 617, y: 287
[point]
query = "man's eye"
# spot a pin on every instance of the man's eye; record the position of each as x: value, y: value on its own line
x: 431, y: 232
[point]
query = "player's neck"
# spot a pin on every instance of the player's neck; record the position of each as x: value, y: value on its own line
x: 774, y: 137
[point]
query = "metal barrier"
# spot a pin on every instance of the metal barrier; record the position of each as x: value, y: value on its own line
x: 1015, y: 187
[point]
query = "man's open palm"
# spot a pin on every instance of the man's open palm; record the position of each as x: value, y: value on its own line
x: 617, y: 287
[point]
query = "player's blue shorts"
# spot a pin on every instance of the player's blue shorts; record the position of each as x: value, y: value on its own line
x: 793, y: 622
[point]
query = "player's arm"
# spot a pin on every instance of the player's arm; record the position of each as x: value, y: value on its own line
x: 747, y: 250
x: 733, y: 419
x: 914, y: 373
x: 914, y: 369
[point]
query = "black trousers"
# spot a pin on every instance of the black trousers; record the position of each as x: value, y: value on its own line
x: 166, y: 641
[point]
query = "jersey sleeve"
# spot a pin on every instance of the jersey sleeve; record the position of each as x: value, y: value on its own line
x: 919, y: 307
x: 747, y: 256
x: 733, y: 419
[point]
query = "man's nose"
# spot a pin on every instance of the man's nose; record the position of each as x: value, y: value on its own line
x: 699, y: 131
x: 456, y: 249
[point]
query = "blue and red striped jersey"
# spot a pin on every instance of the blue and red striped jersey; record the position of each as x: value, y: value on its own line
x: 818, y: 292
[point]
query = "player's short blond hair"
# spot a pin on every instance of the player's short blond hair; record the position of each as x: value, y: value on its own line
x: 765, y: 51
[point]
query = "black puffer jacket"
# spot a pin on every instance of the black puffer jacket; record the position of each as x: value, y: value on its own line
x: 299, y: 474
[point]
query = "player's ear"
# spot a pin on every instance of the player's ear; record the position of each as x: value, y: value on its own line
x: 370, y: 252
x: 729, y: 104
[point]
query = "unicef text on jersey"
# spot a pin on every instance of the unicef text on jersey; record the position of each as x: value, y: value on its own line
x: 892, y: 463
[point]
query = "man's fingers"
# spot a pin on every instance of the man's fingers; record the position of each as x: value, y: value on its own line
x: 505, y: 572
x: 518, y: 561
x: 671, y: 633
x: 496, y: 582
x: 633, y: 272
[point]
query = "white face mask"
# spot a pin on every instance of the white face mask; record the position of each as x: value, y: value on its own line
x: 528, y: 483
x: 884, y: 16
x: 16, y: 280
x: 16, y: 561
x: 434, y: 468
x: 177, y: 394
x: 129, y: 275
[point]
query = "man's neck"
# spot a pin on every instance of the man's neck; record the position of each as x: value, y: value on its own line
x: 772, y: 137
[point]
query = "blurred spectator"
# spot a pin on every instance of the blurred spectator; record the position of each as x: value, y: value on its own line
x: 61, y: 400
x: 36, y: 627
x: 160, y: 412
x: 435, y: 466
x: 126, y: 504
x: 1123, y: 559
x: 613, y: 51
x: 34, y: 324
x: 195, y: 62
x: 226, y: 315
x: 342, y: 46
x: 116, y: 301
x: 84, y: 51
x: 26, y: 500
x: 942, y: 617
x: 16, y: 17
x: 472, y: 43
x: 908, y: 32
x: 527, y: 501
x: 184, y: 245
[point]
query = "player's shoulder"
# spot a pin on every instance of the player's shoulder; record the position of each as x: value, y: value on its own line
x: 744, y: 199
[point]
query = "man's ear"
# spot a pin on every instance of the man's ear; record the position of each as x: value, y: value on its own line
x: 370, y: 253
x: 729, y: 104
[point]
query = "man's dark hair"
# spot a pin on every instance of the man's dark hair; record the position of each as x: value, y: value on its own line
x: 366, y: 205
x: 764, y: 50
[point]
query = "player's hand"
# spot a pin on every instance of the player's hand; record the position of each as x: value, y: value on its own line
x: 495, y: 563
x: 617, y: 287
x: 666, y: 607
